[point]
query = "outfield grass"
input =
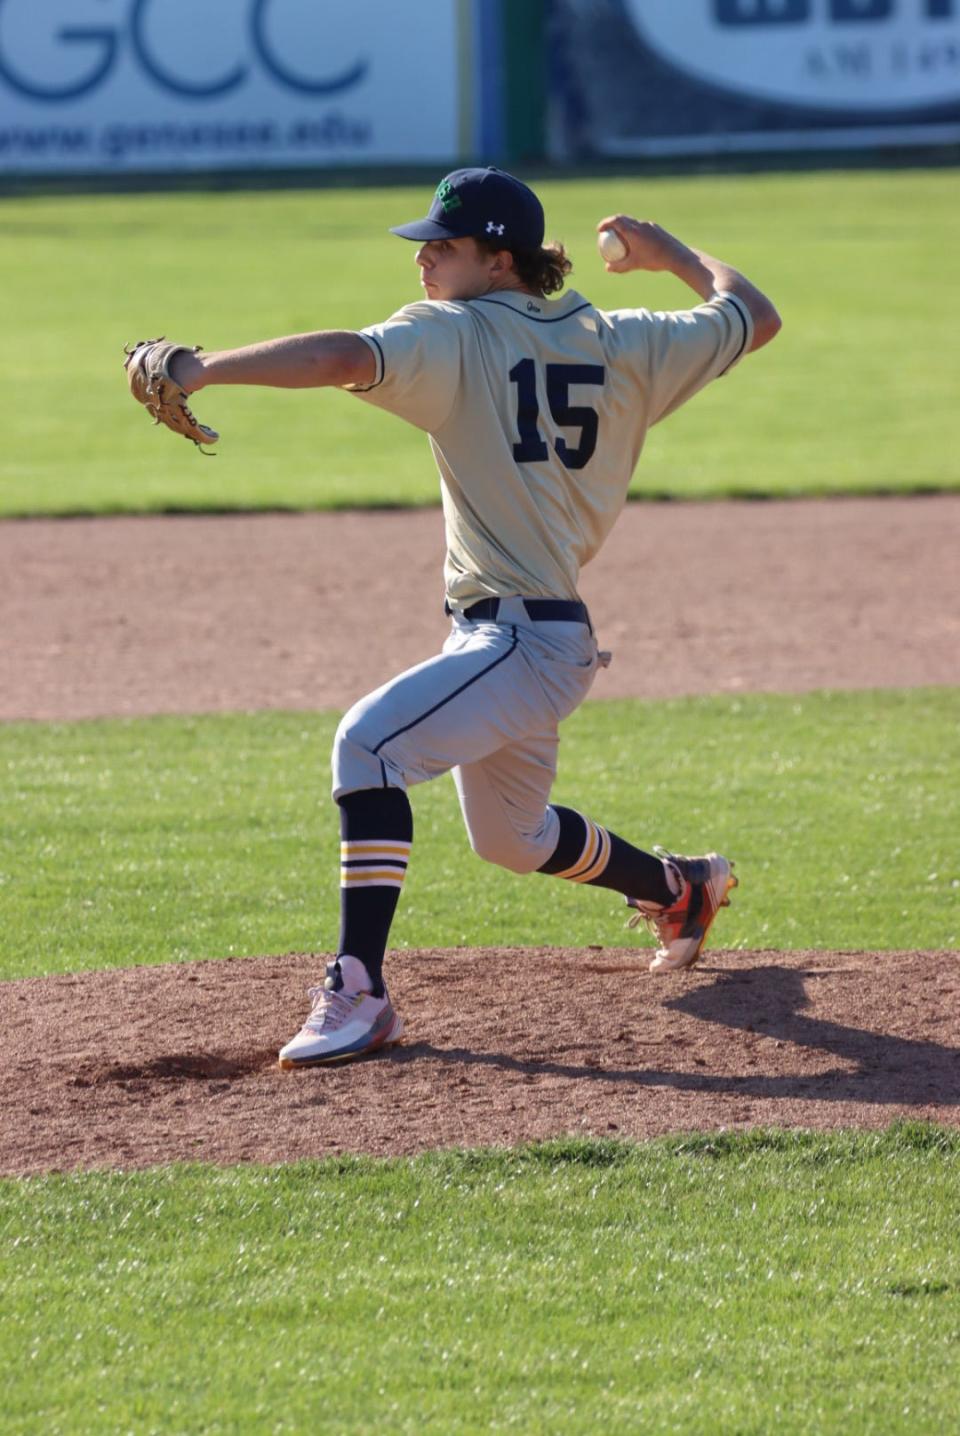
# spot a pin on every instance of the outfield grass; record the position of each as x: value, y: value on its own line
x: 151, y: 840
x: 856, y: 395
x: 752, y: 1283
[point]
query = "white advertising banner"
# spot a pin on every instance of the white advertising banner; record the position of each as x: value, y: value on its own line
x: 662, y: 76
x: 854, y: 54
x: 136, y: 85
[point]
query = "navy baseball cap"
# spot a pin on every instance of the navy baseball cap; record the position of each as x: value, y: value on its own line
x: 485, y: 203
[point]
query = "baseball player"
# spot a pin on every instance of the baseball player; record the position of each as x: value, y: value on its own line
x: 536, y: 408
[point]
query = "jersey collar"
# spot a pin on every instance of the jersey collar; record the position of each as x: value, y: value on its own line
x: 540, y: 311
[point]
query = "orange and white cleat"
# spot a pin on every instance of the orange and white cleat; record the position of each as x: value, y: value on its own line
x: 682, y: 928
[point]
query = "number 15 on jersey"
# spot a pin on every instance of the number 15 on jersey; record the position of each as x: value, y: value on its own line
x: 532, y: 447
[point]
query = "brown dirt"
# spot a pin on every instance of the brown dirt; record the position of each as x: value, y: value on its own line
x: 192, y: 615
x: 171, y: 1063
x: 147, y: 1065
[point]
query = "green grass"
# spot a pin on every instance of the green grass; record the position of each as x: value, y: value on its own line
x: 134, y: 841
x: 856, y: 395
x: 732, y: 1283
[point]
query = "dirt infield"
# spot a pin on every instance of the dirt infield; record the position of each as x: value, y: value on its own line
x: 194, y: 615
x: 170, y: 1063
x: 147, y: 1065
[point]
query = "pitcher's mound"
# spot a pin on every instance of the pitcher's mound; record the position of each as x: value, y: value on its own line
x: 175, y: 1063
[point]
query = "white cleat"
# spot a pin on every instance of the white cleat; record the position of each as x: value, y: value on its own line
x: 345, y: 1021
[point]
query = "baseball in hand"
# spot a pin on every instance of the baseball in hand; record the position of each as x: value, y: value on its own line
x: 611, y: 246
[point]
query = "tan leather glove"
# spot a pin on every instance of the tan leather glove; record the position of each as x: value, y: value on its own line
x: 148, y: 374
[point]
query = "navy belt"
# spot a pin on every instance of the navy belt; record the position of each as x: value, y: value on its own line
x: 541, y: 610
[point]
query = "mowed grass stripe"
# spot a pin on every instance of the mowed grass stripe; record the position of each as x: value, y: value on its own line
x: 156, y: 840
x: 855, y: 396
x: 765, y: 1281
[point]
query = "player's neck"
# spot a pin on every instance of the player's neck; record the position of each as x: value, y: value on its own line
x: 511, y: 283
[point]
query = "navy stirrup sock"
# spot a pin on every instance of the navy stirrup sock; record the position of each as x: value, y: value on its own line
x: 587, y: 853
x: 376, y: 832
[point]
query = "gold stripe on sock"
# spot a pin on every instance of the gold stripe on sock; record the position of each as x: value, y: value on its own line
x: 597, y: 867
x: 359, y: 877
x: 372, y: 848
x: 589, y: 854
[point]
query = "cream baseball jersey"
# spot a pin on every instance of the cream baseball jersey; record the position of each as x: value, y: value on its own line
x: 537, y: 411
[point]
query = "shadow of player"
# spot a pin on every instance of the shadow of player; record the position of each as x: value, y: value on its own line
x: 877, y: 1067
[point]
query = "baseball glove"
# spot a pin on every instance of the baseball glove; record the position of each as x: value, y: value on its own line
x: 148, y: 375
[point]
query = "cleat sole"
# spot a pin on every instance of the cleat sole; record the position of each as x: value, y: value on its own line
x: 344, y: 1057
x: 289, y: 1064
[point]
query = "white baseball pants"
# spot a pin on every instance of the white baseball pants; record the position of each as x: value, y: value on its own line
x: 487, y: 708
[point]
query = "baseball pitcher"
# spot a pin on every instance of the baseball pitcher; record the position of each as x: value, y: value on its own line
x: 536, y: 405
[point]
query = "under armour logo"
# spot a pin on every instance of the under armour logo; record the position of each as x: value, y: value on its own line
x: 495, y: 228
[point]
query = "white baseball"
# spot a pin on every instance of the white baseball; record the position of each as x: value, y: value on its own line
x: 611, y: 246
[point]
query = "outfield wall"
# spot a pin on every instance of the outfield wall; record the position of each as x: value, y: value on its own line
x: 127, y: 86
x: 136, y: 86
x: 684, y: 77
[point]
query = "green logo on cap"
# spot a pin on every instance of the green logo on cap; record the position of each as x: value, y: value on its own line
x: 448, y: 197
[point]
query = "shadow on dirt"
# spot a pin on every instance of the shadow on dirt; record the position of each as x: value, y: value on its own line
x: 887, y: 1068
x: 177, y: 1067
x: 767, y: 1001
